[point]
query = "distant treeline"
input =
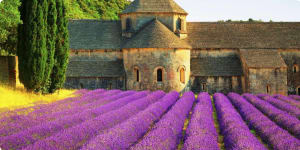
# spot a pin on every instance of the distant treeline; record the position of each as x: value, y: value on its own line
x: 249, y: 20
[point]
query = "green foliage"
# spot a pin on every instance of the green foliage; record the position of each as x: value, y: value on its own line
x: 9, y: 20
x: 32, y: 50
x: 95, y: 9
x: 249, y: 20
x: 61, y: 48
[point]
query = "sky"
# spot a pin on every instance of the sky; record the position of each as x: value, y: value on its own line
x: 266, y: 10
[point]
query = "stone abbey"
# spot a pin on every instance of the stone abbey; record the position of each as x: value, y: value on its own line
x: 153, y: 47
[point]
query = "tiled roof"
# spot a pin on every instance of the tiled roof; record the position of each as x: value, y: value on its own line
x: 262, y: 58
x: 156, y: 35
x: 95, y: 69
x: 95, y: 34
x: 216, y: 66
x: 154, y: 6
x: 244, y: 35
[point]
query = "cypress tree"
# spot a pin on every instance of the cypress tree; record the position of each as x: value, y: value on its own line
x: 61, y: 55
x: 32, y: 49
x: 51, y: 40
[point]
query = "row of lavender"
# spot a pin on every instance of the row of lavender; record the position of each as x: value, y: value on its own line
x: 142, y: 120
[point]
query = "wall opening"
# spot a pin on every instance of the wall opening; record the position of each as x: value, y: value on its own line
x: 178, y: 24
x: 159, y: 75
x: 137, y: 75
x: 295, y: 68
x: 128, y: 24
x: 268, y: 89
x: 298, y: 90
x: 81, y: 86
x: 182, y: 75
x: 203, y: 86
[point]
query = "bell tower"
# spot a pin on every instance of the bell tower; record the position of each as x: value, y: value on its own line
x: 141, y: 12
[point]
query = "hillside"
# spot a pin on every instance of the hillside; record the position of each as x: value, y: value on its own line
x: 95, y: 9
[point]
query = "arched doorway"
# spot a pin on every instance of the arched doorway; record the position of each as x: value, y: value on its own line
x: 298, y: 90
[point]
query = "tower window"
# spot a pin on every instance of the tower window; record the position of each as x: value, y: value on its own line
x: 182, y: 75
x: 159, y: 75
x: 295, y: 68
x: 178, y: 24
x: 128, y: 24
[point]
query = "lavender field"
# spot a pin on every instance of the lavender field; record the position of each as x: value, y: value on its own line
x: 144, y: 120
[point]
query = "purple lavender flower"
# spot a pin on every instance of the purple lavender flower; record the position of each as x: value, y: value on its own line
x: 201, y: 132
x: 167, y: 132
x: 278, y: 138
x: 295, y: 97
x: 46, y: 129
x: 282, y: 118
x: 290, y: 100
x: 76, y: 136
x: 236, y: 133
x: 122, y: 136
x: 292, y: 110
x: 34, y: 119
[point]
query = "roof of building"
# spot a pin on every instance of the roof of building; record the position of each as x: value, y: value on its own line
x: 95, y: 34
x: 156, y: 35
x: 262, y: 58
x: 95, y: 69
x: 216, y: 66
x: 244, y: 35
x: 165, y: 6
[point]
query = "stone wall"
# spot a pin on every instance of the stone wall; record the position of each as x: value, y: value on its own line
x: 94, y: 83
x: 8, y: 70
x: 148, y: 61
x: 212, y: 85
x: 291, y: 58
x: 260, y: 78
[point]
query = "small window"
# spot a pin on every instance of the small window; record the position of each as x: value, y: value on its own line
x: 203, y: 86
x: 159, y: 75
x: 295, y: 68
x: 268, y: 89
x: 178, y: 24
x: 81, y: 86
x: 182, y: 75
x: 137, y: 75
x: 128, y: 24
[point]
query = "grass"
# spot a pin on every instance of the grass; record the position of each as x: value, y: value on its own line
x: 11, y: 99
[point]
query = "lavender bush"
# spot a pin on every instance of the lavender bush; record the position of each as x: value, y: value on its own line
x: 49, y: 128
x: 122, y: 136
x: 292, y: 110
x: 201, y: 133
x: 76, y: 136
x: 282, y: 118
x: 295, y: 97
x: 167, y: 132
x: 289, y: 100
x: 28, y: 121
x: 278, y: 138
x: 236, y: 133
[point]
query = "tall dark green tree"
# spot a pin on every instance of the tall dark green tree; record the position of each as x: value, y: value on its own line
x: 61, y: 55
x: 32, y: 49
x: 51, y: 41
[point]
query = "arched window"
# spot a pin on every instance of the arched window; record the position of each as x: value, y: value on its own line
x: 159, y: 75
x: 295, y: 68
x: 128, y: 24
x: 268, y: 89
x: 178, y: 24
x: 182, y: 75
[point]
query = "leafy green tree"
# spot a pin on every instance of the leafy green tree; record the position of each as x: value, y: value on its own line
x: 32, y: 50
x: 9, y: 20
x: 61, y: 49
